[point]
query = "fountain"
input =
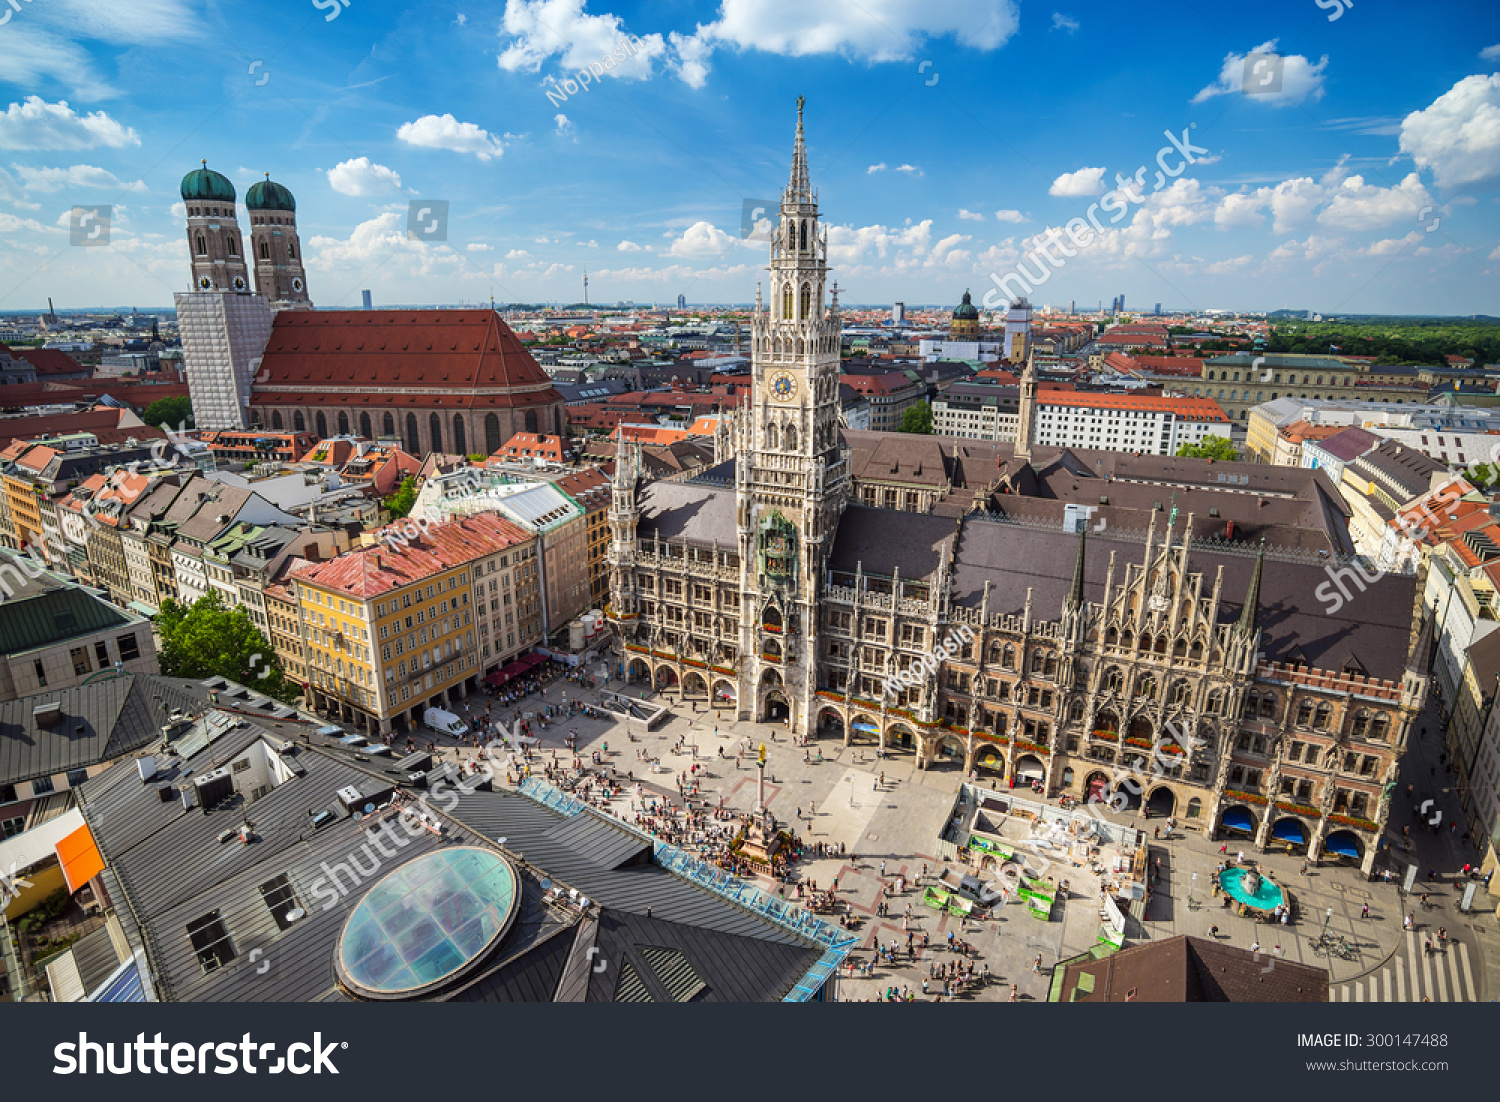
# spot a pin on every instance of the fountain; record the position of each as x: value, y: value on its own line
x: 1253, y: 889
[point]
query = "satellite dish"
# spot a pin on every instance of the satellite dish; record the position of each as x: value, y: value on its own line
x: 295, y: 913
x: 546, y: 885
x: 369, y: 809
x: 501, y: 840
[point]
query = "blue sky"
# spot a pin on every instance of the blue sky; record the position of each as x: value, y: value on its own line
x: 943, y: 137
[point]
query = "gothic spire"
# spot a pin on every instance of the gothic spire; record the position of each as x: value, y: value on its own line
x: 1075, y: 591
x: 799, y: 189
x: 1246, y: 623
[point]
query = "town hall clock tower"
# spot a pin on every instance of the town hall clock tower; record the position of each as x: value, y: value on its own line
x: 792, y: 473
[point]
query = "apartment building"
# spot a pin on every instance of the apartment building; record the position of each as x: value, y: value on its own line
x: 1126, y: 422
x: 890, y: 395
x: 414, y: 621
x: 1243, y: 380
x: 980, y: 410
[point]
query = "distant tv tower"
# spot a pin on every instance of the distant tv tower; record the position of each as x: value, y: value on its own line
x: 585, y: 286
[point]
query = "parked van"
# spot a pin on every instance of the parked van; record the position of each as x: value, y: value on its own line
x: 446, y: 722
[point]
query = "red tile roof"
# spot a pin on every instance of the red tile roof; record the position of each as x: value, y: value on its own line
x: 1192, y: 409
x: 449, y: 359
x: 50, y: 361
x: 372, y: 571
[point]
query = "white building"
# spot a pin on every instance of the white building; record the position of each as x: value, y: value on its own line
x: 1126, y: 422
x: 978, y: 410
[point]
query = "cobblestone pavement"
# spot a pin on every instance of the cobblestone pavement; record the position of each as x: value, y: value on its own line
x: 840, y: 800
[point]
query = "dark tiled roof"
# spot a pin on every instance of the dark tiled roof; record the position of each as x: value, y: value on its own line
x: 683, y: 511
x: 48, y: 609
x: 1193, y: 970
x: 884, y: 539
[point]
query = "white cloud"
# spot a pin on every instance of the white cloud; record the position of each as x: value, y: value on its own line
x: 969, y: 215
x: 1458, y: 136
x: 629, y: 247
x: 1009, y: 216
x: 544, y: 240
x: 850, y: 245
x: 540, y: 30
x: 1061, y: 22
x: 1241, y: 210
x: 910, y: 169
x: 1084, y: 182
x: 565, y: 127
x: 875, y: 168
x: 1392, y: 246
x: 35, y: 54
x: 1494, y: 253
x: 1301, y: 79
x: 55, y: 179
x: 446, y: 132
x: 360, y: 176
x: 460, y: 19
x: 37, y: 124
x: 517, y: 254
x: 589, y: 244
x: 1292, y: 203
x: 700, y: 241
x: 10, y: 223
x: 478, y: 247
x: 1490, y: 53
x: 1360, y: 206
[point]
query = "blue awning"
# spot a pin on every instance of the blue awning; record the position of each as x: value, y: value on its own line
x: 1289, y: 830
x: 1342, y: 843
x: 1237, y: 818
x: 869, y: 728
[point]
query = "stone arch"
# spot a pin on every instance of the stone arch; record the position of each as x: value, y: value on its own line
x: 864, y: 726
x: 1161, y: 802
x: 830, y: 723
x: 1239, y: 820
x: 1095, y: 786
x: 772, y: 436
x: 695, y: 683
x: 664, y: 678
x: 990, y: 758
x: 1125, y: 794
x: 276, y: 418
x: 435, y: 431
x: 1141, y: 728
x: 1107, y: 722
x: 775, y: 707
x: 1030, y: 768
x: 638, y: 670
x: 1344, y: 845
x: 343, y: 422
x: 1290, y: 834
x: 791, y: 438
x: 322, y: 423
x: 413, y: 441
x: 948, y: 753
x: 724, y: 692
x: 1194, y: 808
x: 900, y: 739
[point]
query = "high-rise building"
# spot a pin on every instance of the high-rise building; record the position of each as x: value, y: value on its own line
x: 1120, y: 303
x: 898, y: 313
x: 1157, y: 310
x: 366, y: 301
x: 682, y: 302
x: 1072, y: 307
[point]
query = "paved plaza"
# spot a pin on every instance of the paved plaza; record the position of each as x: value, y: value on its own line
x: 891, y: 830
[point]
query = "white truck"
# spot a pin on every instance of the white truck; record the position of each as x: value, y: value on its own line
x: 446, y: 722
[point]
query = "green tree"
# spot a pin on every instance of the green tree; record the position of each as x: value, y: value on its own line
x: 399, y: 503
x: 205, y: 639
x: 1212, y: 447
x: 917, y: 418
x: 171, y: 412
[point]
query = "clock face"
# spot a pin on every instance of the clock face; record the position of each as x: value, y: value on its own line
x: 296, y: 285
x: 783, y: 386
x: 205, y: 282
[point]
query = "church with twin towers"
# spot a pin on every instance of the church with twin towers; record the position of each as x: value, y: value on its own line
x: 1167, y: 666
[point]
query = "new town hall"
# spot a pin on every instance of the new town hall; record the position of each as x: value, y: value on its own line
x: 1185, y: 662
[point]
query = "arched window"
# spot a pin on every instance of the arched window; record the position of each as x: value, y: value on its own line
x: 806, y: 310
x: 299, y: 423
x: 1304, y: 713
x: 322, y: 424
x: 531, y: 420
x: 1361, y: 721
x: 791, y: 236
x: 1180, y: 692
x: 791, y: 438
x: 1320, y: 717
x: 202, y: 246
x: 364, y: 426
x: 1215, y: 705
x: 460, y: 439
x: 1008, y: 660
x: 413, y: 445
x: 492, y: 439
x: 1145, y: 688
x: 1113, y: 681
x: 1194, y: 808
x: 265, y: 250
x: 786, y: 301
x: 772, y: 436
x: 435, y: 429
x: 229, y: 238
x: 343, y: 423
x: 276, y: 418
x: 291, y: 249
x: 1268, y: 706
x: 388, y: 425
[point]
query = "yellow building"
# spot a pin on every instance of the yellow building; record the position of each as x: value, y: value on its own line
x: 390, y: 630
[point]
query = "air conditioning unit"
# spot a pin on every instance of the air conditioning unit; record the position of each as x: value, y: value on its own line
x: 349, y: 798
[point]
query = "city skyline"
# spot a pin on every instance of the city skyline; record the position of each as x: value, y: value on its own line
x: 1358, y: 185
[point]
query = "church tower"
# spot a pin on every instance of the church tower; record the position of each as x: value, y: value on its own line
x: 279, y: 275
x: 792, y: 473
x: 224, y: 325
x: 1026, y: 421
x: 213, y: 229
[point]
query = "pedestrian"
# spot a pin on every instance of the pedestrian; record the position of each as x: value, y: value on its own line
x: 1036, y: 965
x: 1255, y: 946
x: 1213, y: 932
x: 1012, y: 992
x: 882, y: 868
x: 1364, y: 911
x: 1427, y: 946
x: 1224, y: 848
x: 1304, y: 868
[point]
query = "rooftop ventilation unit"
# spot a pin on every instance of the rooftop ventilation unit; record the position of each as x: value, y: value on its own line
x: 48, y: 714
x: 213, y: 787
x: 349, y: 798
x: 147, y: 767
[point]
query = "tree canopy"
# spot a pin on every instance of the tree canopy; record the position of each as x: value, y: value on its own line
x: 1212, y: 447
x: 399, y: 503
x: 206, y: 639
x: 917, y: 418
x: 170, y: 412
